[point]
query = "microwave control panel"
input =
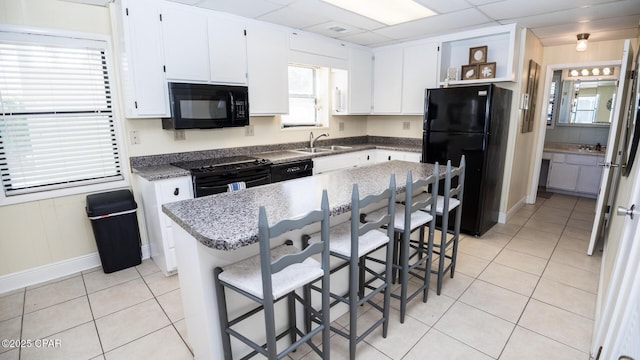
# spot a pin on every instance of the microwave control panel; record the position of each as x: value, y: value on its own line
x: 241, y: 111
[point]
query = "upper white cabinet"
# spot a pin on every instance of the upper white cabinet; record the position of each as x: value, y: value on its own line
x: 360, y: 82
x: 227, y: 49
x: 186, y: 43
x: 401, y: 74
x: 268, y: 69
x: 502, y: 44
x: 136, y: 26
x: 352, y: 88
x: 419, y: 72
x: 314, y: 44
x: 203, y: 46
x: 387, y: 81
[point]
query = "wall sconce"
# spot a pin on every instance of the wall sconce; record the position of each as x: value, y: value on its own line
x: 582, y: 42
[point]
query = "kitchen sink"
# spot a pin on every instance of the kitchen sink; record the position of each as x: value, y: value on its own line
x: 313, y: 150
x: 340, y: 147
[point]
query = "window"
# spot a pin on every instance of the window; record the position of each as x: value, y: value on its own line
x: 57, y: 124
x: 304, y: 97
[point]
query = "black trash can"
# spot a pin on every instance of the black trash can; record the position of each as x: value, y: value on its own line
x: 115, y: 227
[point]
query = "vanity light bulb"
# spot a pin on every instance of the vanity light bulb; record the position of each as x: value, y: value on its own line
x: 584, y: 72
x: 606, y: 71
x: 595, y: 71
x: 574, y: 72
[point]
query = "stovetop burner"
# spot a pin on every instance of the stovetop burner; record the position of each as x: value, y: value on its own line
x: 222, y: 164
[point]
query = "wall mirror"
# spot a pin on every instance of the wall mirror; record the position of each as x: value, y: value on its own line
x: 586, y: 101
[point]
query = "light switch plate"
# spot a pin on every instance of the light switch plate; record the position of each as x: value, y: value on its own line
x: 248, y: 130
x: 406, y: 125
x: 178, y: 135
x: 134, y: 137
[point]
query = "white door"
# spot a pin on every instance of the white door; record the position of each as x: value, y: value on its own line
x: 611, y: 167
x: 617, y: 328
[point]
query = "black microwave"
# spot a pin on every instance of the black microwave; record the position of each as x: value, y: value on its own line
x: 205, y: 106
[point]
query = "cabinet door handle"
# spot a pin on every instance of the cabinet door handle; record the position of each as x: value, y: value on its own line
x: 176, y: 192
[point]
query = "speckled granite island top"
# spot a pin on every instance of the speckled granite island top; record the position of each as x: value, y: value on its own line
x: 229, y: 221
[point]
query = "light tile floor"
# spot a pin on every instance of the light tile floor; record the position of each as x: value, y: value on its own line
x: 525, y: 290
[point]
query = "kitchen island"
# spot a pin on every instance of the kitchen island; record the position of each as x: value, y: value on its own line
x: 221, y: 229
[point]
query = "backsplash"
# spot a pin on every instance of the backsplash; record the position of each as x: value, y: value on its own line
x: 578, y: 134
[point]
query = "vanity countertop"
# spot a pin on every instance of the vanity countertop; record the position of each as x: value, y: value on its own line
x: 571, y: 148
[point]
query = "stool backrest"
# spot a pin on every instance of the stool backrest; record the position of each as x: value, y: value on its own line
x: 414, y: 194
x: 266, y: 233
x: 453, y: 191
x: 359, y: 228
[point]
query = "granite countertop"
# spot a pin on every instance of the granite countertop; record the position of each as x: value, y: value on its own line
x: 228, y: 221
x: 166, y: 171
x: 570, y: 148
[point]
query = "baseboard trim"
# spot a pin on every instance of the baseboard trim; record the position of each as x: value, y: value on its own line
x: 504, y: 217
x: 55, y: 270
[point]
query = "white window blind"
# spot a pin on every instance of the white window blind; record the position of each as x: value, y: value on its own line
x: 57, y: 128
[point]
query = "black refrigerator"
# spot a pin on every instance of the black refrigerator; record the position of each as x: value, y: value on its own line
x: 472, y: 121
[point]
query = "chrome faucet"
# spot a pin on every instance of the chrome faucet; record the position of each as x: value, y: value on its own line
x: 313, y: 140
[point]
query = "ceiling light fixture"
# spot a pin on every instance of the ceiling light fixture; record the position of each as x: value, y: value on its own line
x: 389, y: 12
x: 582, y: 42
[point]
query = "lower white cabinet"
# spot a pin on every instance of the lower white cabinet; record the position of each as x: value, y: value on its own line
x: 159, y: 231
x: 388, y: 155
x: 324, y: 164
x: 575, y: 173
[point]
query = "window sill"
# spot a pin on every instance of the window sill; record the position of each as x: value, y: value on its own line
x: 44, y: 195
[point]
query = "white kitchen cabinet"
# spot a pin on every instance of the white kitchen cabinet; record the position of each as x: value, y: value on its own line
x: 159, y: 226
x: 318, y: 45
x: 228, y: 49
x: 502, y: 48
x: 383, y: 155
x: 387, y: 80
x: 419, y: 72
x: 202, y: 46
x: 268, y: 69
x: 575, y: 173
x: 352, y: 88
x: 138, y: 44
x: 324, y: 164
x: 185, y: 42
x: 360, y: 81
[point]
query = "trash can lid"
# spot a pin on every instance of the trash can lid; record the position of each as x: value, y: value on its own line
x: 110, y: 202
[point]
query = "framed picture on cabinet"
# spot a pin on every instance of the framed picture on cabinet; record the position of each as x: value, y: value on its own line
x: 487, y: 70
x: 478, y: 55
x: 469, y: 72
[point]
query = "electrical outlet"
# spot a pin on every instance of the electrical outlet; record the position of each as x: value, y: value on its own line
x: 406, y: 125
x: 134, y: 137
x: 341, y: 126
x: 178, y: 135
x: 248, y: 130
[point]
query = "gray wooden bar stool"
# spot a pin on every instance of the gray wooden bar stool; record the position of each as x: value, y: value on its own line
x: 451, y: 200
x: 353, y: 241
x: 413, y: 259
x: 274, y: 275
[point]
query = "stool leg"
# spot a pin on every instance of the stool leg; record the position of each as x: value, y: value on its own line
x: 441, y: 257
x: 222, y: 314
x: 396, y: 261
x: 291, y: 305
x: 387, y: 291
x: 306, y: 291
x: 353, y: 307
x: 454, y: 254
x: 404, y: 267
x: 427, y: 273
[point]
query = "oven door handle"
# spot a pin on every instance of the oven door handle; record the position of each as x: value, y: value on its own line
x: 262, y: 179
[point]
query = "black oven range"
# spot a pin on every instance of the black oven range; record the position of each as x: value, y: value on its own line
x: 212, y: 176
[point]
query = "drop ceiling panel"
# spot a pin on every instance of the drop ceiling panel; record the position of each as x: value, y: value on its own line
x: 523, y: 8
x: 245, y: 8
x: 444, y: 6
x: 320, y: 8
x: 295, y: 18
x: 436, y: 25
x: 323, y: 29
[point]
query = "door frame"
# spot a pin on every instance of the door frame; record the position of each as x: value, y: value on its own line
x: 542, y: 123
